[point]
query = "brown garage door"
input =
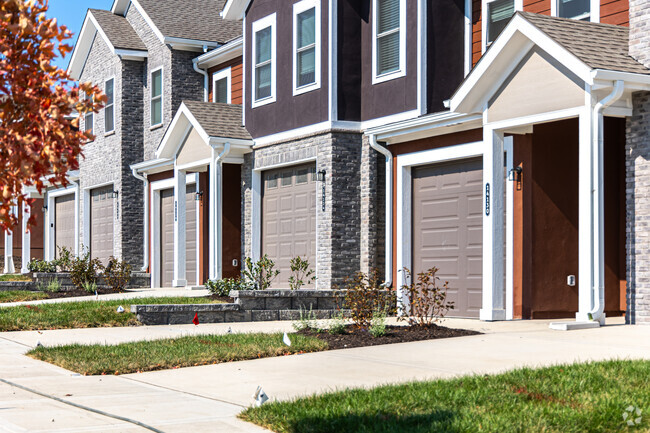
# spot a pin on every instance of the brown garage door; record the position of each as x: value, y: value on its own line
x: 64, y: 219
x: 101, y: 223
x: 448, y: 229
x: 167, y: 237
x: 289, y: 217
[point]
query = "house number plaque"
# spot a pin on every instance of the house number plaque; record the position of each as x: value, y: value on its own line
x: 487, y: 199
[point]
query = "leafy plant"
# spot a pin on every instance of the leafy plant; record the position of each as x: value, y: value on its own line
x: 378, y: 324
x: 65, y: 259
x: 337, y: 324
x: 84, y: 269
x: 307, y: 320
x: 117, y: 274
x: 427, y: 299
x: 36, y: 265
x: 53, y: 286
x: 364, y: 295
x: 260, y: 273
x: 301, y: 274
x: 224, y: 286
x: 89, y: 286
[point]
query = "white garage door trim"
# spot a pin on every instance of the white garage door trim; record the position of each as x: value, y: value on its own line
x: 405, y: 199
x: 50, y: 251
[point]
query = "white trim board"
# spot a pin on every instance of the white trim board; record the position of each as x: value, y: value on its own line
x: 220, y: 75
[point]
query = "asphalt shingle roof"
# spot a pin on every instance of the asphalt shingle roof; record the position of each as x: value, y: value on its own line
x: 219, y: 120
x: 599, y: 46
x: 118, y: 30
x: 192, y: 19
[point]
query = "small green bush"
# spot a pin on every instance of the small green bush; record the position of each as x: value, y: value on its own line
x: 427, y: 298
x: 65, y: 259
x: 378, y: 324
x: 306, y: 321
x: 54, y: 286
x: 117, y: 274
x: 301, y: 274
x: 89, y: 286
x: 365, y: 295
x: 36, y: 265
x: 224, y: 286
x: 84, y: 270
x: 260, y: 274
x: 337, y: 325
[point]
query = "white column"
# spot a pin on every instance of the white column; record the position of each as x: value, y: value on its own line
x: 493, y: 226
x: 180, y: 189
x: 212, y: 215
x: 9, y: 250
x: 27, y: 244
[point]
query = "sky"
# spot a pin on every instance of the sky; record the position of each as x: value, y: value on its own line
x: 71, y: 13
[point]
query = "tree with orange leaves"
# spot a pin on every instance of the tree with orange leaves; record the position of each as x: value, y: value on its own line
x: 40, y: 105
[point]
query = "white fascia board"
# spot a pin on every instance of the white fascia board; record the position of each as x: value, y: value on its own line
x: 235, y: 143
x: 120, y: 6
x: 82, y: 48
x: 181, y: 125
x: 221, y: 54
x: 189, y: 44
x: 235, y: 9
x: 393, y: 132
x: 504, y: 55
x: 148, y: 166
x: 632, y: 80
x: 136, y: 55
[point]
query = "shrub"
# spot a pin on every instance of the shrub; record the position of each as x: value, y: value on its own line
x: 65, y: 259
x: 307, y: 320
x: 224, y: 286
x: 117, y: 274
x: 36, y: 265
x: 260, y: 273
x: 301, y: 274
x: 378, y: 324
x: 427, y: 300
x: 337, y: 325
x: 364, y: 295
x: 83, y: 270
x: 54, y: 286
x: 89, y: 287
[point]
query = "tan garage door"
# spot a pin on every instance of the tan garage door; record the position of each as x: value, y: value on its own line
x: 167, y: 237
x: 64, y: 221
x: 448, y: 229
x: 289, y: 218
x: 101, y: 223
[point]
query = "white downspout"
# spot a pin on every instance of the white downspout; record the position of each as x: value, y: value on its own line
x: 389, y: 208
x: 598, y: 197
x: 205, y: 79
x: 216, y: 212
x: 145, y: 260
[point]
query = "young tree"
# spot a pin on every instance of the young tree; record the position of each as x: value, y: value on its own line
x: 40, y: 105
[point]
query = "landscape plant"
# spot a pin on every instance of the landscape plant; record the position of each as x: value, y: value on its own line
x: 337, y: 324
x: 378, y: 324
x: 260, y: 273
x: 64, y: 260
x: 301, y: 273
x: 364, y: 295
x: 53, y: 286
x: 427, y: 298
x: 84, y: 271
x: 41, y: 266
x: 117, y: 274
x: 89, y: 287
x: 306, y: 321
x: 224, y: 286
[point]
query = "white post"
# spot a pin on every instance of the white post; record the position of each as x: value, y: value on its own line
x: 218, y: 223
x: 585, y: 215
x: 9, y: 250
x: 212, y: 227
x: 27, y: 244
x: 180, y: 190
x: 493, y: 226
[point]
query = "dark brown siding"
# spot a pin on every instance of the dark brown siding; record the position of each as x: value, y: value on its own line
x: 231, y: 219
x: 288, y: 112
x: 350, y: 15
x: 236, y: 76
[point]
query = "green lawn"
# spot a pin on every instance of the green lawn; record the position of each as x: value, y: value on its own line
x: 15, y: 277
x: 577, y: 398
x: 20, y: 296
x: 85, y: 314
x: 172, y: 353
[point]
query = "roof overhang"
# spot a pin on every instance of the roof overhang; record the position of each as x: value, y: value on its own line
x: 221, y: 54
x: 84, y: 44
x: 120, y: 7
x: 153, y: 166
x: 235, y: 9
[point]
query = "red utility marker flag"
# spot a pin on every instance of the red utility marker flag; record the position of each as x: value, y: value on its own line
x: 196, y: 319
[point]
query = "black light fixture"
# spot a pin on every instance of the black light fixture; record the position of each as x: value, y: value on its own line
x: 515, y: 174
x: 44, y: 208
x: 320, y: 176
x: 115, y: 194
x: 198, y: 196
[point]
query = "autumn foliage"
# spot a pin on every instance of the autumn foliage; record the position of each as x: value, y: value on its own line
x: 40, y: 105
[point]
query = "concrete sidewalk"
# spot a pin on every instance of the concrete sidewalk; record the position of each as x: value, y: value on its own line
x: 207, y: 399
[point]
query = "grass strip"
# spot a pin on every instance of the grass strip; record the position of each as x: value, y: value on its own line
x: 571, y: 398
x: 83, y: 314
x: 15, y: 277
x: 20, y: 296
x: 173, y: 353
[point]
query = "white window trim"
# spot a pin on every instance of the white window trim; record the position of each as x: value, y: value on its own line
x: 111, y: 106
x: 220, y: 75
x: 401, y: 72
x: 594, y: 10
x: 162, y: 96
x: 519, y: 6
x: 261, y: 24
x: 299, y: 8
x: 92, y: 116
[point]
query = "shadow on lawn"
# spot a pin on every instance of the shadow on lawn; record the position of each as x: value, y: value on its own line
x: 436, y: 421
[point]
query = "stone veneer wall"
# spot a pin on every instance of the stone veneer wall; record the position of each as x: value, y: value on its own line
x: 637, y: 150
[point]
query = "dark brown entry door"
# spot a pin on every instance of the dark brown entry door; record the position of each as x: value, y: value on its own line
x: 64, y: 221
x: 289, y: 218
x: 448, y: 229
x: 101, y: 223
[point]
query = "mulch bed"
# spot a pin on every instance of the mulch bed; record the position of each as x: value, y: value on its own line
x: 78, y: 292
x: 355, y: 337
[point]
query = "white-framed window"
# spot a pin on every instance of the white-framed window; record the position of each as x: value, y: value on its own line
x: 389, y: 40
x: 109, y: 109
x: 156, y: 85
x: 498, y: 14
x: 306, y: 46
x: 221, y: 86
x: 264, y: 61
x: 89, y: 117
x: 576, y: 9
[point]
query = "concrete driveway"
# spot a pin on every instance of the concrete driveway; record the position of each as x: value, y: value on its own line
x: 207, y: 399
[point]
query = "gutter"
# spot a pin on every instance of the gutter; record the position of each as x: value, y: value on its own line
x: 389, y: 208
x: 143, y: 178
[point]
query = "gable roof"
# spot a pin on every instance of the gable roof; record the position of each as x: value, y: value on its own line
x: 118, y: 30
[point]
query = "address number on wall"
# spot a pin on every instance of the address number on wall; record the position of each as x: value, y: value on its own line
x: 487, y: 199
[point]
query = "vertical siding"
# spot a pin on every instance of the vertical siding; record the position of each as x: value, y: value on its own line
x: 236, y: 79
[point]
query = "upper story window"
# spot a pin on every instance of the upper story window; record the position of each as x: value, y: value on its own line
x: 264, y: 59
x: 306, y: 43
x: 576, y: 9
x: 221, y: 82
x: 156, y: 97
x: 89, y: 117
x: 109, y: 109
x: 389, y: 39
x: 499, y: 13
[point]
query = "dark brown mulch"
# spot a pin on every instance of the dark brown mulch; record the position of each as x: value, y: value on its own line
x: 76, y: 293
x: 355, y: 337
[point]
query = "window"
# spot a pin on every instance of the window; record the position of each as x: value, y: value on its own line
x: 109, y: 110
x: 576, y: 9
x: 264, y: 61
x: 499, y: 13
x: 89, y: 117
x: 389, y: 44
x: 306, y: 43
x: 221, y: 91
x: 156, y: 97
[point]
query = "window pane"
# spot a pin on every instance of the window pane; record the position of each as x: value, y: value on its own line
x: 221, y: 90
x: 574, y: 8
x: 263, y: 81
x: 263, y: 45
x: 306, y: 28
x: 109, y: 118
x: 156, y: 111
x: 387, y: 15
x: 156, y: 83
x: 499, y: 13
x: 110, y: 84
x: 388, y: 53
x: 307, y: 67
x: 287, y: 177
x: 88, y: 122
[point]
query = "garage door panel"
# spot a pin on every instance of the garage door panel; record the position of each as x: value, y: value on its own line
x: 101, y: 223
x: 191, y: 236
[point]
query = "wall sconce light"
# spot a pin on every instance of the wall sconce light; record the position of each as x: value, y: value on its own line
x: 44, y: 208
x: 115, y: 194
x: 515, y: 174
x: 320, y: 176
x: 198, y: 196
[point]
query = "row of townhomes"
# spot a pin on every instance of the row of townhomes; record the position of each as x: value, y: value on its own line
x: 506, y: 142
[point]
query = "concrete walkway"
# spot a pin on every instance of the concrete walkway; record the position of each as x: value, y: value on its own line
x: 207, y: 398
